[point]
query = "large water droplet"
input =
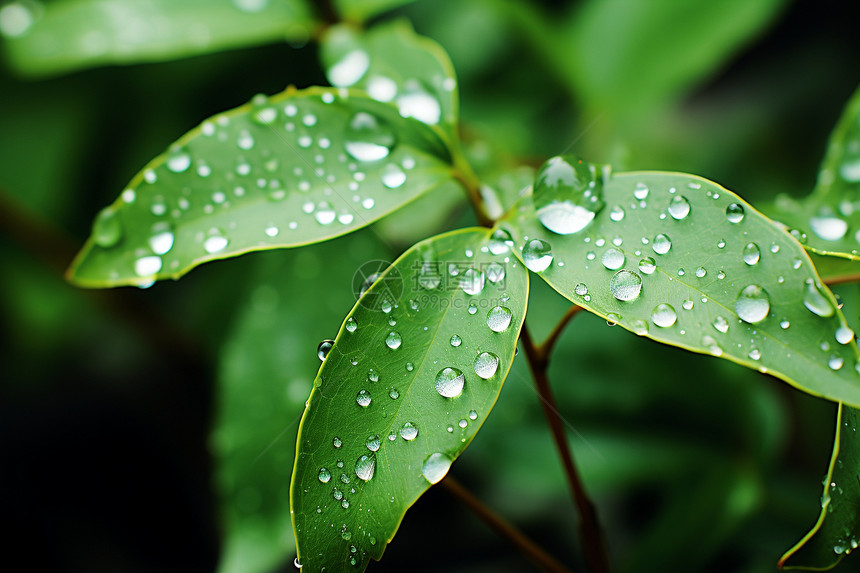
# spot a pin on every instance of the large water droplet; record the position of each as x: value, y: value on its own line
x: 393, y: 176
x: 435, y: 467
x: 178, y: 161
x: 495, y: 273
x: 147, y: 266
x: 613, y: 259
x: 735, y: 213
x: 828, y: 228
x: 393, y: 340
x: 363, y: 398
x: 417, y: 103
x: 408, y: 432
x: 663, y: 315
x: 107, y: 228
x: 456, y: 340
x: 365, y: 466
x: 721, y: 324
x: 816, y: 301
x: 537, y: 255
x: 486, y: 365
x: 351, y: 324
x: 324, y: 348
x: 662, y: 244
x: 568, y: 194
x: 647, y: 265
x: 349, y: 69
x: 368, y: 138
x: 625, y: 285
x: 373, y: 443
x: 751, y: 254
x: 450, y: 382
x: 499, y: 318
x: 679, y: 207
x: 324, y: 475
x: 500, y: 242
x: 215, y: 242
x: 844, y: 335
x: 472, y: 281
x: 752, y: 304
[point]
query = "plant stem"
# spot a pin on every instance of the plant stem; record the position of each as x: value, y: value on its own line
x: 532, y: 552
x: 545, y: 349
x: 467, y: 178
x: 842, y: 279
x: 590, y: 533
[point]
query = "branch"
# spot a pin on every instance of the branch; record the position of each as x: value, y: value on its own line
x: 532, y: 552
x: 590, y: 533
x: 545, y: 350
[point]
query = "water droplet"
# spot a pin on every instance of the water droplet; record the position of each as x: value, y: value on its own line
x: 495, y: 273
x: 368, y: 138
x: 107, y: 228
x: 835, y: 362
x: 752, y: 304
x: 679, y: 207
x: 661, y: 244
x: 844, y: 335
x: 408, y: 432
x: 613, y: 259
x: 498, y: 318
x: 568, y: 194
x: 417, y: 103
x: 472, y: 281
x: 751, y: 254
x: 816, y: 301
x: 216, y: 242
x: 324, y: 348
x: 663, y: 315
x: 363, y: 398
x: 784, y: 324
x: 393, y: 176
x: 500, y: 242
x: 337, y: 442
x: 381, y: 88
x: 351, y: 324
x: 755, y: 354
x: 373, y: 443
x: 436, y: 467
x: 617, y: 213
x: 393, y: 340
x: 486, y: 365
x: 581, y: 289
x: 178, y: 161
x: 735, y: 213
x: 537, y: 255
x: 450, y: 382
x: 349, y: 69
x: 365, y: 466
x: 625, y: 285
x: 410, y: 367
x: 647, y: 265
x: 721, y: 324
x: 324, y: 475
x: 456, y: 341
x: 828, y: 228
x: 640, y: 191
x: 711, y: 344
x: 147, y: 266
x: 473, y: 415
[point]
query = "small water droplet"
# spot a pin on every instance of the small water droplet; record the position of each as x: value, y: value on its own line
x: 408, y: 432
x: 661, y: 244
x: 721, y: 324
x: 324, y: 348
x: 417, y: 103
x: 568, y: 194
x: 349, y: 69
x: 735, y: 213
x: 755, y: 354
x: 435, y: 467
x: 373, y: 442
x: 393, y: 176
x: 844, y: 335
x: 751, y: 254
x: 107, y: 228
x: 472, y: 281
x: 363, y: 398
x: 216, y: 242
x: 498, y: 318
x: 613, y: 259
x: 495, y: 273
x: 486, y: 365
x: 324, y: 475
x: 835, y: 362
x: 663, y: 315
x: 500, y: 242
x: 393, y: 340
x: 351, y: 324
x: 647, y: 265
x: 336, y: 442
x: 752, y: 304
x: 816, y: 301
x: 147, y: 266
x: 625, y: 285
x: 456, y: 341
x: 617, y: 213
x: 450, y: 382
x: 679, y: 207
x: 365, y: 466
x: 640, y: 191
x: 368, y: 138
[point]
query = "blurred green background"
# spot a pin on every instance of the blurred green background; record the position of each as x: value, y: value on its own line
x: 153, y: 430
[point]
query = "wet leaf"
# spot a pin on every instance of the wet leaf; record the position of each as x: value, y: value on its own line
x: 412, y: 375
x: 299, y: 168
x: 394, y: 64
x: 685, y: 262
x: 62, y: 36
x: 827, y: 222
x: 362, y: 10
x: 837, y: 531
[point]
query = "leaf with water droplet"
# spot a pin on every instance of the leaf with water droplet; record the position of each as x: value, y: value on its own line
x: 836, y: 533
x: 638, y: 279
x: 394, y: 64
x: 448, y: 362
x: 91, y: 33
x: 333, y: 151
x: 830, y: 216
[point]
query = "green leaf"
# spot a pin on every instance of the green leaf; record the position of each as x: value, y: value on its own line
x: 379, y: 429
x: 302, y: 167
x: 362, y: 10
x: 828, y: 221
x: 266, y: 371
x: 629, y: 56
x: 62, y: 36
x: 837, y: 531
x: 394, y: 64
x: 685, y: 262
